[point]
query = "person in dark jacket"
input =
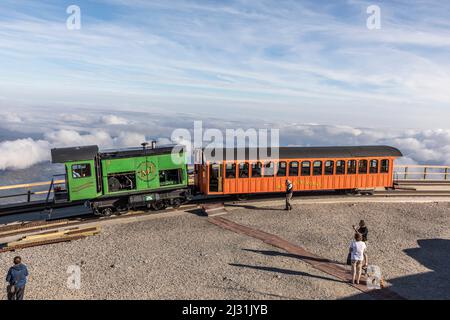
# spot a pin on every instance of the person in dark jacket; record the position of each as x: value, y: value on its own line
x: 362, y: 230
x: 289, y: 193
x: 17, y: 278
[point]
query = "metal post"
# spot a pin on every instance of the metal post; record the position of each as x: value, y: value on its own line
x: 446, y: 173
x: 406, y: 172
x: 425, y: 173
x: 29, y: 196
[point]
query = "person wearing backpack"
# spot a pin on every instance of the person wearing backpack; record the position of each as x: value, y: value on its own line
x: 17, y: 278
x: 289, y: 193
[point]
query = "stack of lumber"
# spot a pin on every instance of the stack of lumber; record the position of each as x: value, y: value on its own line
x: 31, y: 227
x: 51, y: 237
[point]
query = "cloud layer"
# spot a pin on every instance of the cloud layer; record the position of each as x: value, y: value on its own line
x: 418, y: 146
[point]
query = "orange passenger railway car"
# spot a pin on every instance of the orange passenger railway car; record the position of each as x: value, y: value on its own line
x: 248, y: 171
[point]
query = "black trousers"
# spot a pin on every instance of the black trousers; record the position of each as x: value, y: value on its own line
x: 18, y: 295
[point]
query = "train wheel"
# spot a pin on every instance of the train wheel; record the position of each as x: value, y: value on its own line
x: 176, y: 203
x: 241, y: 197
x: 159, y: 205
x: 107, y: 212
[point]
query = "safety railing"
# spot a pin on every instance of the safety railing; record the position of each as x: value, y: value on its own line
x: 426, y: 173
x: 29, y: 189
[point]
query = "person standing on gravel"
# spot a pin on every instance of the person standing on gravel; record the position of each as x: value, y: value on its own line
x: 289, y: 193
x: 358, y: 256
x: 17, y: 278
x: 363, y: 230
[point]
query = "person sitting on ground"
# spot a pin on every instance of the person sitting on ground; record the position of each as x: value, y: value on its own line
x: 358, y: 255
x: 17, y: 278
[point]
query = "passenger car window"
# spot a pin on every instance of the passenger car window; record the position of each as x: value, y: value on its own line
x: 306, y: 168
x: 243, y: 170
x: 256, y: 169
x: 293, y: 168
x: 373, y: 167
x: 329, y: 167
x: 281, y: 169
x: 362, y: 167
x: 269, y: 169
x: 230, y: 170
x: 81, y: 170
x: 384, y: 166
x: 340, y: 167
x: 351, y: 169
x: 317, y: 168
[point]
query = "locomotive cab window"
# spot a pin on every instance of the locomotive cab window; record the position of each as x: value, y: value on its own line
x: 317, y: 168
x: 281, y: 172
x: 340, y: 167
x: 384, y: 166
x: 81, y: 170
x: 230, y: 171
x: 329, y: 167
x: 243, y: 170
x: 169, y: 177
x: 256, y: 169
x: 306, y: 168
x: 269, y: 169
x: 373, y: 168
x: 362, y: 167
x: 351, y: 169
x: 293, y: 168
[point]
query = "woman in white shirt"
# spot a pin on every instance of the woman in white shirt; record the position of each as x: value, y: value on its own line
x: 358, y: 255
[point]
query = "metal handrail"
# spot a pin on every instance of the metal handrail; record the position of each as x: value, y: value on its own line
x: 404, y: 173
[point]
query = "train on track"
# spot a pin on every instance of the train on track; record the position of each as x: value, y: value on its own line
x: 113, y: 182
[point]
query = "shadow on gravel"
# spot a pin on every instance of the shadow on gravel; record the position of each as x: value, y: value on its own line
x: 290, y: 255
x: 197, y: 212
x: 246, y: 206
x: 284, y: 271
x: 433, y: 254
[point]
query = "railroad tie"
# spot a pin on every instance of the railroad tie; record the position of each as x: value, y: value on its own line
x: 214, y: 209
x: 319, y: 263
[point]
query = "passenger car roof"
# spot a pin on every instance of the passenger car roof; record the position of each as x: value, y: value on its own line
x: 304, y: 152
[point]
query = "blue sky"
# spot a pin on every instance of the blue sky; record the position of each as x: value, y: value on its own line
x: 304, y: 61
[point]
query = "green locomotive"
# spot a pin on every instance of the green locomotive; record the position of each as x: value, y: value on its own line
x: 115, y: 181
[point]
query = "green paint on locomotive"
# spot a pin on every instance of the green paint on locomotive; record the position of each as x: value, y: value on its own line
x: 120, y: 176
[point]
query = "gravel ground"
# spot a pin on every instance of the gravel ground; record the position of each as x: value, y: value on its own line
x: 186, y: 257
x: 410, y: 242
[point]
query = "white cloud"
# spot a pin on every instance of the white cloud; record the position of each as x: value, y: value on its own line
x: 113, y: 120
x: 23, y: 153
x: 11, y: 117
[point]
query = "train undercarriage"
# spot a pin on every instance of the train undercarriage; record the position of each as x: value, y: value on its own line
x: 146, y: 201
